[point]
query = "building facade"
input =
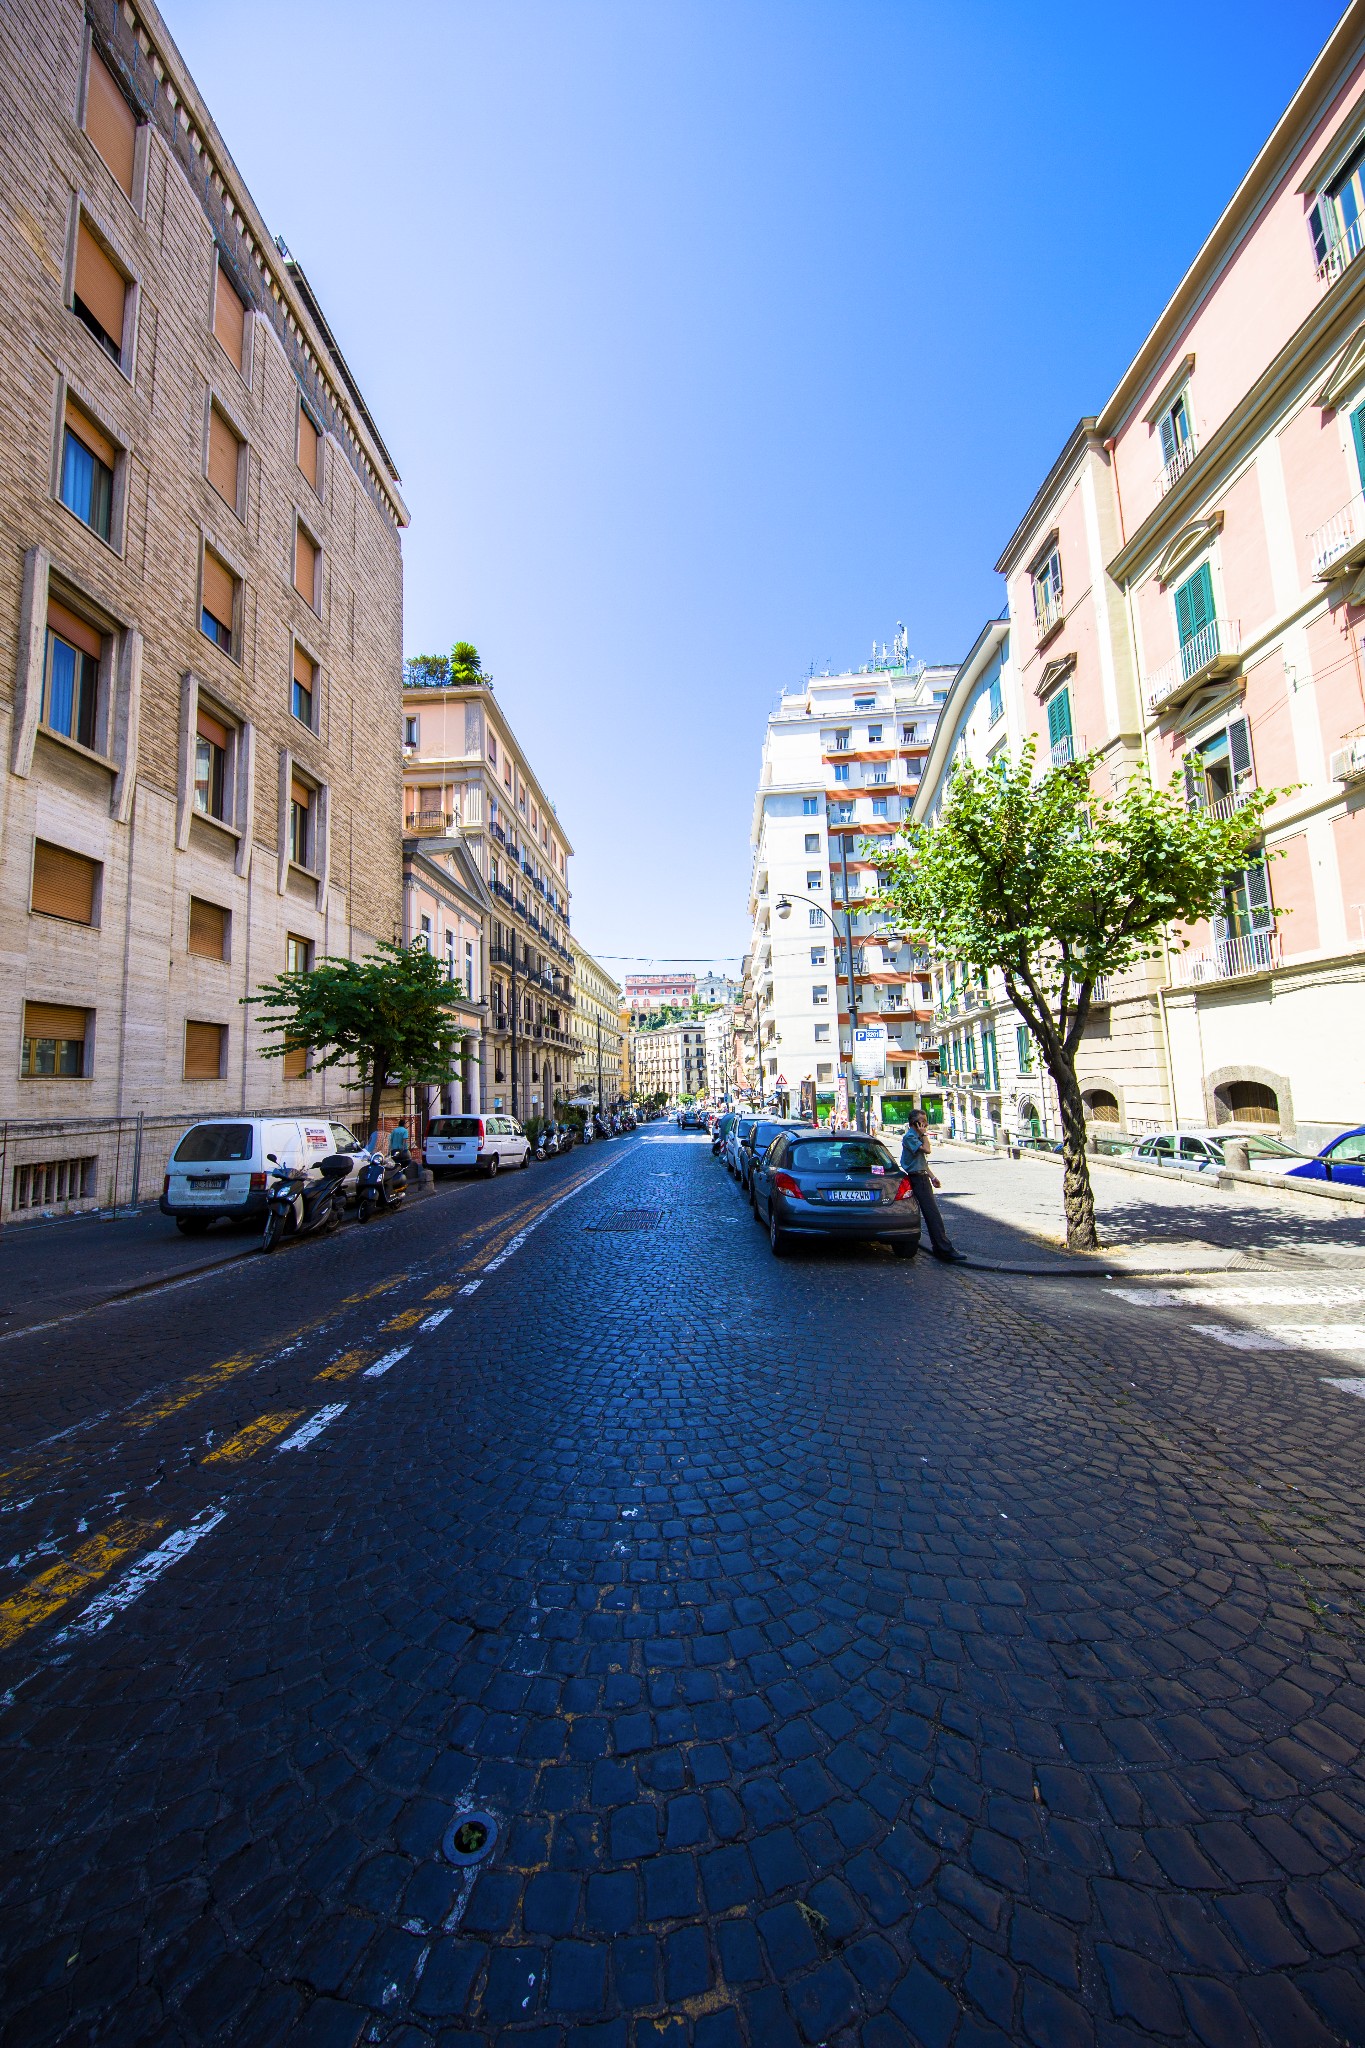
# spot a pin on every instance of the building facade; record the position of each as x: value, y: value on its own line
x: 465, y: 776
x: 200, y: 599
x: 597, y: 1030
x: 719, y: 1028
x: 669, y: 1061
x: 646, y: 992
x: 716, y: 988
x: 842, y: 761
x: 448, y: 908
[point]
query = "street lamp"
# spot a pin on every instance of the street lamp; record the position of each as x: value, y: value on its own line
x: 784, y: 911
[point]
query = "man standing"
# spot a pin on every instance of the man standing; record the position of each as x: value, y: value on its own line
x: 915, y: 1149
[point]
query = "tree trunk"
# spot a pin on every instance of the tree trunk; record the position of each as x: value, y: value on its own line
x: 376, y: 1090
x: 1078, y: 1199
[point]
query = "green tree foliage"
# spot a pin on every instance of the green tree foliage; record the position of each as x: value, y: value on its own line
x: 392, y: 1013
x: 1055, y: 885
x: 465, y: 665
x: 426, y: 671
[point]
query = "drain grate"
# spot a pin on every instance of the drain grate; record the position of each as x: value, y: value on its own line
x: 629, y: 1219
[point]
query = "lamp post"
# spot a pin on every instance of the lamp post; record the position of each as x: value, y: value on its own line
x: 784, y: 911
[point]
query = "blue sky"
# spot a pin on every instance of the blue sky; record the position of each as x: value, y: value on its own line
x: 712, y: 337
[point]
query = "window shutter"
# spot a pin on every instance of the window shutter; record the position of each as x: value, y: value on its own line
x: 1358, y: 438
x: 204, y: 1051
x: 1167, y: 431
x: 1194, y: 795
x: 1239, y: 745
x: 53, y: 1020
x: 63, y: 883
x: 90, y: 436
x: 208, y: 930
x: 308, y: 448
x: 304, y: 670
x: 209, y: 728
x: 100, y: 285
x: 1322, y: 225
x: 74, y: 631
x: 219, y: 590
x: 1059, y: 717
x: 1258, y: 896
x: 110, y: 122
x: 229, y: 319
x: 305, y: 566
x: 224, y: 458
x: 296, y: 1063
x: 300, y: 793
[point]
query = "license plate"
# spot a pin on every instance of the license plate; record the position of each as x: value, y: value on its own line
x: 208, y: 1183
x: 851, y: 1195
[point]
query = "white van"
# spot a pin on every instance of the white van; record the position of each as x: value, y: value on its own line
x: 486, y: 1142
x: 220, y: 1166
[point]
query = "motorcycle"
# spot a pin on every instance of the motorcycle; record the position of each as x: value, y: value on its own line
x: 539, y: 1149
x: 382, y: 1184
x: 297, y: 1206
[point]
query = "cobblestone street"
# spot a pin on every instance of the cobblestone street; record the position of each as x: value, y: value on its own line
x: 844, y: 1650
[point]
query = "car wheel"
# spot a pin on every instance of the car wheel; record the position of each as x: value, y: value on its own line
x: 526, y: 1159
x: 905, y: 1247
x: 777, y: 1239
x: 492, y: 1167
x: 192, y: 1226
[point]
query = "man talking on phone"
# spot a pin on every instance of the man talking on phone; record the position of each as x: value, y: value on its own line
x: 915, y: 1149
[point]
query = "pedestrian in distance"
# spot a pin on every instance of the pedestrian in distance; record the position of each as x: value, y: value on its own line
x: 400, y: 1146
x: 915, y: 1150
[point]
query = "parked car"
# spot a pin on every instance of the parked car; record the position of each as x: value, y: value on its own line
x: 1201, y: 1151
x: 757, y: 1141
x: 720, y: 1131
x: 456, y: 1144
x: 738, y: 1132
x: 809, y: 1183
x: 1343, y: 1160
x: 219, y: 1167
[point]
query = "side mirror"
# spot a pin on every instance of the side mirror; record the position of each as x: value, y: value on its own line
x: 271, y: 1157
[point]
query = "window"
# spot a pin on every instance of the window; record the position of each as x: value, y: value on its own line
x: 307, y: 556
x: 210, y: 765
x: 1195, y: 621
x: 824, y: 1071
x: 1337, y: 220
x: 110, y: 122
x: 815, y: 917
x: 864, y: 703
x: 819, y: 995
x: 224, y: 469
x: 229, y: 319
x: 812, y: 842
x: 54, y: 1042
x: 879, y: 807
x: 87, y: 482
x: 1059, y: 728
x: 841, y: 740
x: 907, y: 735
x: 205, y: 1046
x: 39, y: 1186
x: 1246, y: 905
x: 996, y: 703
x: 65, y: 884
x: 817, y: 956
x: 300, y: 823
x: 814, y: 879
x: 425, y: 934
x: 810, y: 807
x: 1047, y: 589
x: 71, y: 676
x: 218, y: 604
x: 303, y: 689
x: 469, y: 988
x: 100, y: 294
x: 841, y: 813
x: 208, y: 930
x: 1177, y: 440
x: 310, y: 442
x: 410, y: 732
x: 841, y: 771
x: 1025, y: 1048
x: 298, y: 954
x: 874, y: 735
x: 1219, y: 770
x: 879, y: 774
x: 822, y: 1034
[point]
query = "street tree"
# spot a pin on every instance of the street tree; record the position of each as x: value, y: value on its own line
x: 1056, y: 884
x: 391, y: 1013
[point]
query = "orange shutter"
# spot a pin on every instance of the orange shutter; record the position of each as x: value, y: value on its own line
x: 63, y: 883
x: 53, y: 1020
x: 304, y: 670
x: 229, y: 320
x: 204, y: 1051
x: 208, y: 930
x: 308, y: 448
x: 100, y: 286
x: 209, y: 728
x: 301, y: 794
x: 110, y: 123
x: 93, y: 437
x: 73, y: 630
x: 296, y: 1063
x: 305, y: 567
x: 219, y: 590
x: 224, y: 458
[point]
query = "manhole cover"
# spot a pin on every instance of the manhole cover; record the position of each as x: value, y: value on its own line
x: 629, y: 1219
x: 470, y: 1837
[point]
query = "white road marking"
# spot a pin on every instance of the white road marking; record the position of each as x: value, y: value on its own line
x: 1330, y: 1294
x: 472, y: 1287
x: 514, y: 1246
x: 1289, y: 1336
x: 139, y: 1576
x: 1347, y: 1386
x: 382, y: 1365
x: 431, y: 1322
x: 306, y: 1431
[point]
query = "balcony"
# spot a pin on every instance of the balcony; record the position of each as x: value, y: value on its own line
x: 1215, y: 650
x: 1047, y: 608
x: 1178, y: 464
x: 1229, y: 959
x: 1063, y: 751
x: 1339, y: 545
x: 1343, y: 252
x: 1220, y: 806
x: 429, y: 824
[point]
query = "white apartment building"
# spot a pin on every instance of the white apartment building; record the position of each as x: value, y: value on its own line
x: 670, y: 1060
x: 842, y: 759
x: 718, y: 1038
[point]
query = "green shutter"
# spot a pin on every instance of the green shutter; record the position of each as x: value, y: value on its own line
x: 1059, y: 717
x: 1194, y: 604
x: 1358, y: 436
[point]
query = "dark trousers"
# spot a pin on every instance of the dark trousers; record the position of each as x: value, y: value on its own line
x: 930, y: 1214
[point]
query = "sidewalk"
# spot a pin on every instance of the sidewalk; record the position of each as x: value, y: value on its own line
x: 1146, y: 1224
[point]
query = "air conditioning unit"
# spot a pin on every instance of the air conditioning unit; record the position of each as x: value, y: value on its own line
x: 1348, y: 762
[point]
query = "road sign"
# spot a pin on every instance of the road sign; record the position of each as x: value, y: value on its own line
x: 869, y: 1052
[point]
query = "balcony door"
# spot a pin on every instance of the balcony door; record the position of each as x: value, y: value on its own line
x: 1194, y: 621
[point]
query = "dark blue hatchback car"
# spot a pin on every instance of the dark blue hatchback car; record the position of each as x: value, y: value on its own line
x: 1343, y: 1160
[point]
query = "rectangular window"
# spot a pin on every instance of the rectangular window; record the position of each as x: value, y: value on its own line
x: 306, y: 556
x: 814, y: 879
x: 1059, y: 728
x: 810, y: 807
x: 298, y: 954
x: 841, y: 771
x: 879, y: 807
x: 300, y: 823
x: 819, y: 995
x: 110, y: 122
x: 205, y: 1046
x: 71, y: 676
x: 817, y: 956
x: 303, y: 689
x: 210, y: 766
x: 1177, y: 440
x: 815, y: 917
x: 864, y: 703
x: 87, y: 484
x: 1195, y: 622
x: 409, y: 732
x: 874, y: 735
x: 822, y: 1034
x: 41, y: 1184
x: 812, y: 842
x: 996, y: 710
x: 208, y: 930
x: 842, y: 739
x: 229, y: 319
x: 224, y: 460
x: 1337, y: 220
x: 1047, y: 590
x: 54, y: 1042
x: 218, y: 604
x: 309, y: 442
x: 1024, y: 1045
x: 100, y: 294
x: 65, y: 884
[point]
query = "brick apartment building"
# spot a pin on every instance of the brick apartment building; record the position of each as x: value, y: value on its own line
x: 200, y: 597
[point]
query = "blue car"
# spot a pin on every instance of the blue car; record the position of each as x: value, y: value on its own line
x: 1343, y: 1160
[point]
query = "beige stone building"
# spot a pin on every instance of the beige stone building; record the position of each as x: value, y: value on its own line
x: 669, y: 1061
x: 597, y: 1028
x: 465, y: 775
x: 200, y: 597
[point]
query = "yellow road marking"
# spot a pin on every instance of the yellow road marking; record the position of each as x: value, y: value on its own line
x: 438, y: 1293
x: 61, y: 1583
x: 198, y: 1384
x: 404, y: 1321
x: 369, y: 1293
x: 255, y: 1436
x: 345, y: 1367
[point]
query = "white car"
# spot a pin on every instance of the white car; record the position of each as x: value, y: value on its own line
x: 462, y: 1143
x: 1201, y: 1151
x: 220, y: 1167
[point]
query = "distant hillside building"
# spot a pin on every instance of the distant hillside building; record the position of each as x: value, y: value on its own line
x: 656, y: 991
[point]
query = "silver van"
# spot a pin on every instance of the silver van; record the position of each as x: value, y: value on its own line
x: 464, y: 1142
x: 220, y: 1166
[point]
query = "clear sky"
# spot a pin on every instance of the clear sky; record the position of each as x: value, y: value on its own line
x: 712, y: 337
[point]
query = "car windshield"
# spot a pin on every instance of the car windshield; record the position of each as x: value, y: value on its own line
x: 214, y: 1142
x: 453, y: 1127
x: 840, y: 1155
x: 765, y: 1133
x: 1257, y: 1148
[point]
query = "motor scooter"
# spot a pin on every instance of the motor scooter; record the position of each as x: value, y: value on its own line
x: 540, y: 1149
x: 382, y: 1184
x: 296, y: 1206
